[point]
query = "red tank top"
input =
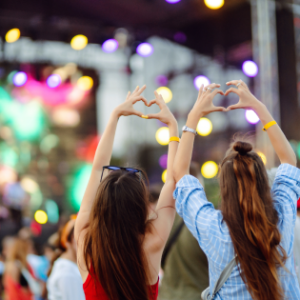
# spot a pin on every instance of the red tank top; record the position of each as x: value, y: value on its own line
x: 97, y: 292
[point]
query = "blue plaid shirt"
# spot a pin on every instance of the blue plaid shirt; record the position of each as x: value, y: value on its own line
x: 207, y: 225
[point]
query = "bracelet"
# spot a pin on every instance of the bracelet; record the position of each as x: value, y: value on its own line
x: 268, y: 125
x: 174, y: 139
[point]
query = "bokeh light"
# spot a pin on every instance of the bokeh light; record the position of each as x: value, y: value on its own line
x: 7, y: 175
x: 144, y: 49
x: 52, y: 211
x: 12, y: 35
x: 29, y: 185
x: 250, y: 68
x: 164, y: 176
x: 180, y: 37
x: 53, y: 80
x: 163, y: 161
x: 49, y: 142
x: 161, y: 80
x: 19, y: 79
x: 209, y: 169
x: 298, y: 150
x: 66, y: 117
x: 162, y: 136
x: 262, y: 156
x: 173, y: 1
x: 110, y: 46
x: 41, y: 217
x: 199, y: 80
x: 85, y: 83
x: 251, y: 116
x: 79, y: 42
x: 10, y: 76
x: 204, y: 127
x: 166, y: 93
x: 214, y: 4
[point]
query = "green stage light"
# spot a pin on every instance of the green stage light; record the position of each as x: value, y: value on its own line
x: 298, y: 150
x: 79, y: 184
x: 8, y: 156
x: 52, y: 211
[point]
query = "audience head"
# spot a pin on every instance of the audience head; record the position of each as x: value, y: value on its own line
x: 19, y: 251
x: 113, y: 243
x: 248, y: 210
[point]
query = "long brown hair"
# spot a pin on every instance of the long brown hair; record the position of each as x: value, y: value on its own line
x: 249, y: 213
x: 113, y: 243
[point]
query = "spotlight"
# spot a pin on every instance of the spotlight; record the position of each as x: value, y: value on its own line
x: 19, y: 79
x: 250, y: 68
x: 53, y: 81
x: 209, y: 169
x: 110, y: 46
x: 166, y: 93
x: 12, y: 35
x: 204, y: 127
x: 79, y: 42
x: 214, y: 4
x: 162, y: 136
x: 251, y: 116
x: 199, y: 80
x: 144, y: 49
x: 41, y: 217
x: 85, y: 83
x: 173, y: 1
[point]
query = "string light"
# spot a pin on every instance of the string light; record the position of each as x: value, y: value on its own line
x: 214, y: 4
x: 204, y: 127
x: 79, y: 42
x: 166, y: 93
x: 12, y: 35
x: 85, y: 83
x: 162, y: 136
x: 164, y: 176
x: 41, y: 217
x: 209, y: 169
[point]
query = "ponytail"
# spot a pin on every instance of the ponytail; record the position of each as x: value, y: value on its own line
x: 248, y: 211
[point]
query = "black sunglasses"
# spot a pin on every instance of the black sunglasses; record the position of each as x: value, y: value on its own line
x: 115, y: 168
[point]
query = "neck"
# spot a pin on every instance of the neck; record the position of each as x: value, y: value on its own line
x: 70, y: 255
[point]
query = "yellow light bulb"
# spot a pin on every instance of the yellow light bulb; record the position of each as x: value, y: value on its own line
x: 214, y: 4
x: 162, y: 136
x: 79, y: 42
x: 262, y: 156
x: 166, y: 93
x: 12, y: 35
x: 209, y: 169
x: 164, y: 176
x: 41, y: 217
x: 204, y: 127
x: 85, y: 83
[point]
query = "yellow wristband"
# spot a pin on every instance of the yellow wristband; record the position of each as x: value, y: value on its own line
x: 174, y: 139
x: 268, y: 125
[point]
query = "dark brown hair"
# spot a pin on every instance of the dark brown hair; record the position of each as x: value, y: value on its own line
x: 249, y: 213
x: 113, y: 243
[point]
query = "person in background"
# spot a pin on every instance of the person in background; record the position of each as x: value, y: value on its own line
x: 16, y: 280
x: 184, y: 263
x: 64, y: 281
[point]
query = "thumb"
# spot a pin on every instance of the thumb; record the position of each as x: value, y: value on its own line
x: 233, y: 107
x: 219, y: 108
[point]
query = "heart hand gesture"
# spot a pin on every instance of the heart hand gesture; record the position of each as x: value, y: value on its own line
x: 165, y: 114
x: 247, y: 99
x: 126, y: 108
x: 204, y: 104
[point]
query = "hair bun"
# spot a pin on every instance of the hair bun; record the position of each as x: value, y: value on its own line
x: 242, y: 147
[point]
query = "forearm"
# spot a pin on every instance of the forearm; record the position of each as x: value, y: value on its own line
x: 105, y: 146
x: 280, y: 143
x: 173, y: 146
x: 184, y: 153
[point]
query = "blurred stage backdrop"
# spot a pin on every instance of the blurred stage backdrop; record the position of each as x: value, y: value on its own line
x: 65, y: 66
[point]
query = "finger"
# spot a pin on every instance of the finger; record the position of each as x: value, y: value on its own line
x: 233, y: 107
x: 153, y: 116
x: 212, y: 86
x: 234, y: 82
x: 158, y: 96
x: 200, y: 90
x: 215, y: 92
x: 141, y: 89
x: 232, y: 90
x: 137, y: 113
x: 128, y: 94
x: 154, y: 101
x: 219, y: 108
x: 136, y: 89
x: 140, y: 98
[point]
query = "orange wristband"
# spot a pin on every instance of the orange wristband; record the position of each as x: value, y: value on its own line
x: 174, y: 139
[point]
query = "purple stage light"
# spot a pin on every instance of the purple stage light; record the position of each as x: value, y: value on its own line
x: 162, y: 80
x: 199, y: 80
x: 163, y: 160
x: 179, y: 37
x: 19, y: 79
x: 53, y: 81
x: 144, y: 49
x: 110, y: 46
x: 251, y: 116
x: 250, y: 68
x: 173, y: 1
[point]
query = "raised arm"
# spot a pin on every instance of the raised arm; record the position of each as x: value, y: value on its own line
x: 248, y: 101
x: 103, y: 155
x: 202, y: 107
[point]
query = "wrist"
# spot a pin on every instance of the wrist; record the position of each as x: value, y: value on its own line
x: 193, y: 120
x: 116, y: 113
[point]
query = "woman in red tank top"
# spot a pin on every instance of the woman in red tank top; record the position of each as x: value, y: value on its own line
x: 120, y: 239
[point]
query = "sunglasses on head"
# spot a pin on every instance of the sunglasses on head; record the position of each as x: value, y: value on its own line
x: 115, y: 168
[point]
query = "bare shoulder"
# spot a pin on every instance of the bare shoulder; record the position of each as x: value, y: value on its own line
x: 12, y: 269
x: 83, y: 269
